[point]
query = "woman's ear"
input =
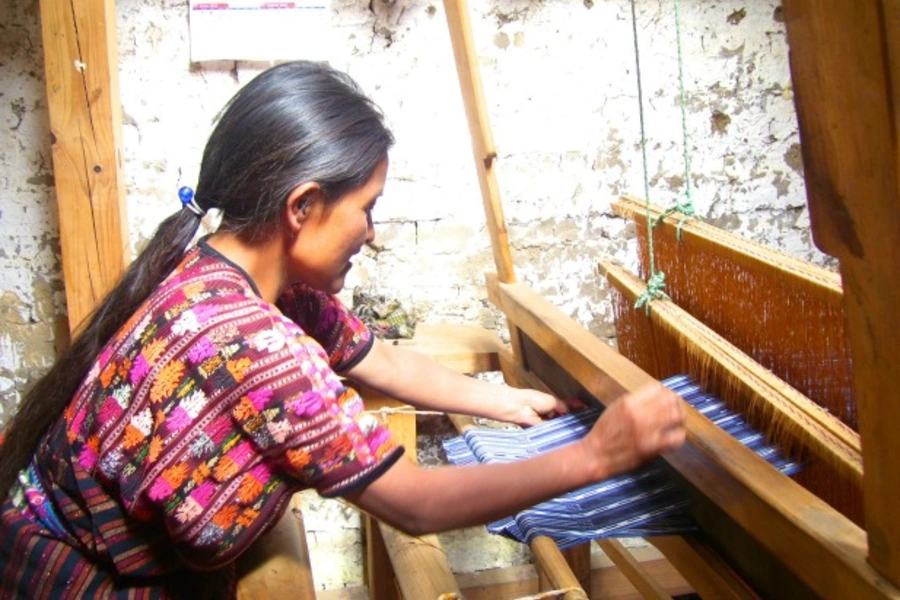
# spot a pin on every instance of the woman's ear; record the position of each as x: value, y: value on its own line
x: 299, y: 202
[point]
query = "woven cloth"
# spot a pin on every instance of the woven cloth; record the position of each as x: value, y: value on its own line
x: 643, y: 503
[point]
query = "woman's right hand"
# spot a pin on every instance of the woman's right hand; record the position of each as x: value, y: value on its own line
x: 635, y: 428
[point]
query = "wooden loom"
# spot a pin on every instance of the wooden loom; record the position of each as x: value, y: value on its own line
x: 786, y: 542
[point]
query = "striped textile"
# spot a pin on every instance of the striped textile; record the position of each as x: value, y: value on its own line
x: 642, y: 503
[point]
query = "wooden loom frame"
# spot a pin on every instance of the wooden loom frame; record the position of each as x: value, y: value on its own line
x: 845, y: 60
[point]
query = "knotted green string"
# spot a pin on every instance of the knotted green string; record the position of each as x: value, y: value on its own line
x: 656, y: 283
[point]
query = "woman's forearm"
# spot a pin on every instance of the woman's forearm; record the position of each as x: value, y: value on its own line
x: 421, y: 500
x: 633, y: 429
x: 420, y: 381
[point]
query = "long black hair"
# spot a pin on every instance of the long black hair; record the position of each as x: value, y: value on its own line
x: 296, y: 122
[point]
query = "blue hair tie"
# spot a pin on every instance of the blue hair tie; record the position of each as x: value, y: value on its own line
x: 186, y: 195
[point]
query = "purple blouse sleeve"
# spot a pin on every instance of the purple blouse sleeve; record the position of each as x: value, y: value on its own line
x: 343, y: 336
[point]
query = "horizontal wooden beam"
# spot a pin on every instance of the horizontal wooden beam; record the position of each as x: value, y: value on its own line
x: 508, y: 583
x: 823, y: 548
x: 463, y: 348
x: 740, y: 250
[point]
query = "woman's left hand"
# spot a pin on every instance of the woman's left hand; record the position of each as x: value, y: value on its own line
x: 529, y: 407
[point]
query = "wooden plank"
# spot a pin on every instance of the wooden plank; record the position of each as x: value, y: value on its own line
x: 846, y: 78
x: 554, y: 573
x: 607, y: 582
x: 380, y: 577
x: 823, y: 548
x: 81, y: 67
x: 813, y: 279
x: 639, y: 577
x: 277, y: 565
x: 463, y: 348
x: 703, y: 568
x: 420, y: 564
x: 457, y: 14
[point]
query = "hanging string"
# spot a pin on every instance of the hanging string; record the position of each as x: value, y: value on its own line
x: 656, y: 283
x: 687, y: 207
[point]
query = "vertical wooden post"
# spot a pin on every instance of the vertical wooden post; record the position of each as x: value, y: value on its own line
x: 380, y: 579
x: 81, y: 64
x: 380, y: 573
x: 480, y: 130
x: 277, y: 565
x: 845, y: 63
x: 579, y: 559
x: 483, y: 150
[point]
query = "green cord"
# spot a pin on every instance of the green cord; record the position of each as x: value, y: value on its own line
x: 687, y: 208
x: 657, y: 281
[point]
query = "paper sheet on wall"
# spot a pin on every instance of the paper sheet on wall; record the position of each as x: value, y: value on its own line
x: 259, y: 31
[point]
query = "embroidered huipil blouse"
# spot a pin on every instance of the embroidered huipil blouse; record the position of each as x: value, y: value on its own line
x: 185, y: 441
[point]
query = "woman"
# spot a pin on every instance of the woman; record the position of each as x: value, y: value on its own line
x: 204, y: 391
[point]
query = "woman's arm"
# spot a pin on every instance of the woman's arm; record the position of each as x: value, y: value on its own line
x: 424, y: 383
x: 630, y: 431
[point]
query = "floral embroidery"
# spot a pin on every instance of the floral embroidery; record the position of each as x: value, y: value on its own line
x: 166, y: 381
x: 308, y: 404
x: 153, y: 350
x: 209, y: 414
x: 269, y: 341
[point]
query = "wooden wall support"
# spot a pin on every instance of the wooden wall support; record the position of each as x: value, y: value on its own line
x: 633, y: 570
x: 81, y: 64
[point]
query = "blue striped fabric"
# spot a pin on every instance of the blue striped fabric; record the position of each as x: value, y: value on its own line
x: 642, y: 503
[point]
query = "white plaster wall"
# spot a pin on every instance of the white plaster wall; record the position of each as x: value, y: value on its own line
x: 560, y: 84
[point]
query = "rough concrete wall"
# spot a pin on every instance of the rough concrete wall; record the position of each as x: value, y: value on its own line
x: 32, y: 302
x: 561, y: 89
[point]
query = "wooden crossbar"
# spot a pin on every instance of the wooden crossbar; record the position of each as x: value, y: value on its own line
x: 778, y: 403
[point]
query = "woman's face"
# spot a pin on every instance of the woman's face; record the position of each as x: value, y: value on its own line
x: 333, y: 232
